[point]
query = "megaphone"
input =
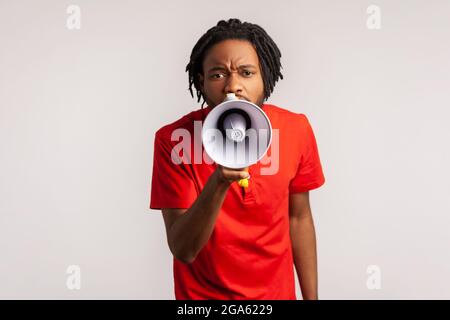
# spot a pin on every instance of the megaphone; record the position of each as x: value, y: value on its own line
x: 236, y: 134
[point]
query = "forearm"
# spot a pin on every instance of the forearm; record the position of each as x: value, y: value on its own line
x: 191, y: 230
x: 303, y: 238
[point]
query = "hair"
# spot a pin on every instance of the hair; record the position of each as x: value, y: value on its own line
x: 268, y: 53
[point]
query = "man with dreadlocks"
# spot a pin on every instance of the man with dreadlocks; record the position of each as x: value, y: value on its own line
x: 231, y: 242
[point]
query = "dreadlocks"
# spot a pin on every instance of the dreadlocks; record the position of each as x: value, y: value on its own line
x: 268, y: 53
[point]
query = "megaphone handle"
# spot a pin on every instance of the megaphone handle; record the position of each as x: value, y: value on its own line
x: 243, y: 183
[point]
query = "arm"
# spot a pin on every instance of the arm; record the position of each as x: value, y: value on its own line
x: 303, y: 239
x: 188, y: 230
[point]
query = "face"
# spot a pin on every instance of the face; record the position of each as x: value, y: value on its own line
x: 232, y: 66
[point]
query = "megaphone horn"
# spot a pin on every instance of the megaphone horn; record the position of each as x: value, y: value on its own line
x: 236, y: 121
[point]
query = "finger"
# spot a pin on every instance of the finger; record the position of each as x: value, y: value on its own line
x: 236, y: 175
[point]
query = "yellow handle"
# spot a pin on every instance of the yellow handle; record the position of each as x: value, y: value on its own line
x: 243, y: 183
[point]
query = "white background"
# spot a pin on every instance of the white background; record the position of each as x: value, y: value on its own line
x: 79, y: 109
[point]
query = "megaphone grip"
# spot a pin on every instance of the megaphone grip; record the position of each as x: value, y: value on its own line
x: 243, y: 183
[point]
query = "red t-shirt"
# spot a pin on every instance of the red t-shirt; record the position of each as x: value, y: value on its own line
x: 249, y: 253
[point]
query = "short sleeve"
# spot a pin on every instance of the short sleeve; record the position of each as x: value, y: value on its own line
x: 172, y: 184
x: 309, y: 173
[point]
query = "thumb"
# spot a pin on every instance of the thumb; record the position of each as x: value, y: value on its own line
x: 244, y: 175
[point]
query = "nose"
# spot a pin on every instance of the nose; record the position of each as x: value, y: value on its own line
x: 233, y: 84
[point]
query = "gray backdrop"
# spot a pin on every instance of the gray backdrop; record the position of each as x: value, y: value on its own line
x: 79, y: 109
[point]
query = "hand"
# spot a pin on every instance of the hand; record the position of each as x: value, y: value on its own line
x: 227, y: 175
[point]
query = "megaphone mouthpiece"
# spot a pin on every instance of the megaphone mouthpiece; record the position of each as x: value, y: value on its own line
x: 230, y: 96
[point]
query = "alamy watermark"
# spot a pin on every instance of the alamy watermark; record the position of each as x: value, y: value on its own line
x: 73, y: 281
x: 374, y: 19
x: 73, y: 21
x: 250, y: 149
x: 374, y: 280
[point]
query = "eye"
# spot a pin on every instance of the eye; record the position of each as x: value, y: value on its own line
x: 247, y: 73
x: 216, y: 76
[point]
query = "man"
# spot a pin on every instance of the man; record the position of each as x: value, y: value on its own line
x: 231, y: 242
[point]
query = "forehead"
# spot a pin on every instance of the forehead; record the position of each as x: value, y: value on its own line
x: 231, y: 52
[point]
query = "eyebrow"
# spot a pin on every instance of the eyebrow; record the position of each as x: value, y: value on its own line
x: 240, y: 67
